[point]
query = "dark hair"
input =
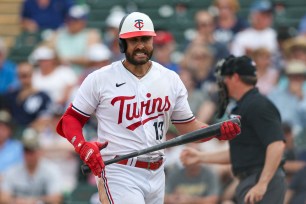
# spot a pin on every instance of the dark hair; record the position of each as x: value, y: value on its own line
x: 122, y: 42
x: 249, y: 80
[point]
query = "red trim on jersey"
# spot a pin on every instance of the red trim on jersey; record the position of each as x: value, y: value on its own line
x: 71, y: 124
x: 137, y: 33
x: 109, y: 195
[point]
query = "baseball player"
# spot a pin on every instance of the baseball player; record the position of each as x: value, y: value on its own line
x: 134, y: 100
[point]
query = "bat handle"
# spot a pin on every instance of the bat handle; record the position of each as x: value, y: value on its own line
x: 85, y: 169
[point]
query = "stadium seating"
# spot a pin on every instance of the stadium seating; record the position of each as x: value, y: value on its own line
x: 163, y: 14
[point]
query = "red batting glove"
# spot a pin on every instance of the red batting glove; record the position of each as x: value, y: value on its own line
x: 229, y: 130
x: 90, y: 153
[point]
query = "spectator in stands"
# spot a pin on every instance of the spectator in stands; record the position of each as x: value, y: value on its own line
x: 34, y: 181
x: 260, y: 34
x: 205, y: 26
x: 28, y: 106
x: 8, y: 76
x: 291, y: 101
x: 164, y: 46
x: 192, y: 184
x: 295, y: 49
x: 172, y: 153
x: 293, y: 164
x: 296, y: 193
x: 10, y: 149
x: 228, y: 23
x: 200, y: 101
x: 54, y: 79
x: 58, y: 151
x: 267, y: 75
x: 110, y: 36
x: 38, y: 15
x: 98, y: 56
x: 199, y: 59
x: 71, y: 42
x: 302, y: 26
x: 284, y: 33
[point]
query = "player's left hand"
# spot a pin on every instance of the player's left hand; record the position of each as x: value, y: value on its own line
x: 229, y: 130
x: 255, y: 194
x: 90, y: 153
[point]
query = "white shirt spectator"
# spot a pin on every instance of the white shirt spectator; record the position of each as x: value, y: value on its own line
x: 55, y: 83
x: 251, y: 39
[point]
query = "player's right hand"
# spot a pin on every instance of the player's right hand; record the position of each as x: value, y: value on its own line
x: 190, y: 156
x: 229, y: 130
x: 90, y: 153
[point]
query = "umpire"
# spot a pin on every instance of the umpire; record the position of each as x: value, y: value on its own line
x: 256, y: 154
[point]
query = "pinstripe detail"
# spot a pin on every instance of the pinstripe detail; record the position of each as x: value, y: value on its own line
x: 80, y: 112
x: 109, y: 196
x: 134, y: 160
x: 184, y: 120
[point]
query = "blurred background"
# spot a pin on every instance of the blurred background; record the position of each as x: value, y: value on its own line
x: 48, y: 47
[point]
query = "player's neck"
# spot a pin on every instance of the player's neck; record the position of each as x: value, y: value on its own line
x: 137, y: 70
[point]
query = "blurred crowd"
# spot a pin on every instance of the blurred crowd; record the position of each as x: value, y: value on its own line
x: 39, y: 165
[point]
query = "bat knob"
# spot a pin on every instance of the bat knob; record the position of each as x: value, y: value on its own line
x: 237, y: 120
x: 85, y: 169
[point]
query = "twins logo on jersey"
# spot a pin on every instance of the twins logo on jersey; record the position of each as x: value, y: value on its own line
x: 155, y: 106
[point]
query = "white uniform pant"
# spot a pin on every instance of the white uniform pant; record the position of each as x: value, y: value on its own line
x: 122, y: 184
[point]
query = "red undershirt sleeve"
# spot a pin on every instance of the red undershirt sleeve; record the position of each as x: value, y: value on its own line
x: 71, y: 124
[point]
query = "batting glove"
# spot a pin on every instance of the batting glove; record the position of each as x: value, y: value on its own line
x: 229, y: 130
x: 90, y: 153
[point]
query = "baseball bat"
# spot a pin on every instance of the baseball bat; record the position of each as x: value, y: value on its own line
x: 209, y: 131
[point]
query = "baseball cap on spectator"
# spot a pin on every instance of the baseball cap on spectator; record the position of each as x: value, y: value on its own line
x: 30, y: 139
x: 294, y: 44
x: 262, y: 6
x: 5, y: 117
x: 78, y: 12
x: 42, y: 53
x: 114, y: 19
x: 244, y: 66
x: 295, y: 67
x: 98, y: 53
x: 163, y: 37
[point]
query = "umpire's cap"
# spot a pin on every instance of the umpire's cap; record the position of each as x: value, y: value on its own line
x: 243, y: 66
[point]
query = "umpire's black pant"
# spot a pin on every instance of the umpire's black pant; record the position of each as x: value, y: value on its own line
x: 275, y: 193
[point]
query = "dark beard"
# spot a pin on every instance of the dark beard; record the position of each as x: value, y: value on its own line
x: 131, y: 60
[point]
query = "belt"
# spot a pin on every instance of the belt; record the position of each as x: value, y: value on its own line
x: 150, y: 165
x: 244, y: 174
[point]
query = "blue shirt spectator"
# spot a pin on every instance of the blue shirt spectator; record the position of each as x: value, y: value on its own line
x: 39, y: 15
x: 8, y: 75
x: 11, y: 151
x: 302, y: 26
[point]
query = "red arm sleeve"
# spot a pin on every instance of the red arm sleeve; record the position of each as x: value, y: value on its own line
x: 71, y: 124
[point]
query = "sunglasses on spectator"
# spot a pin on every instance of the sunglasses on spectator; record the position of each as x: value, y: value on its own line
x: 24, y: 75
x: 204, y: 24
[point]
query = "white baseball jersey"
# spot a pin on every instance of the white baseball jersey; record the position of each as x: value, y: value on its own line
x: 133, y: 113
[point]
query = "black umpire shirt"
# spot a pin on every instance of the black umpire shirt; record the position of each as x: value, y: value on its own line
x: 260, y: 126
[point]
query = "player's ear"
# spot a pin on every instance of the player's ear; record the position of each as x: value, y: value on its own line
x: 236, y: 76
